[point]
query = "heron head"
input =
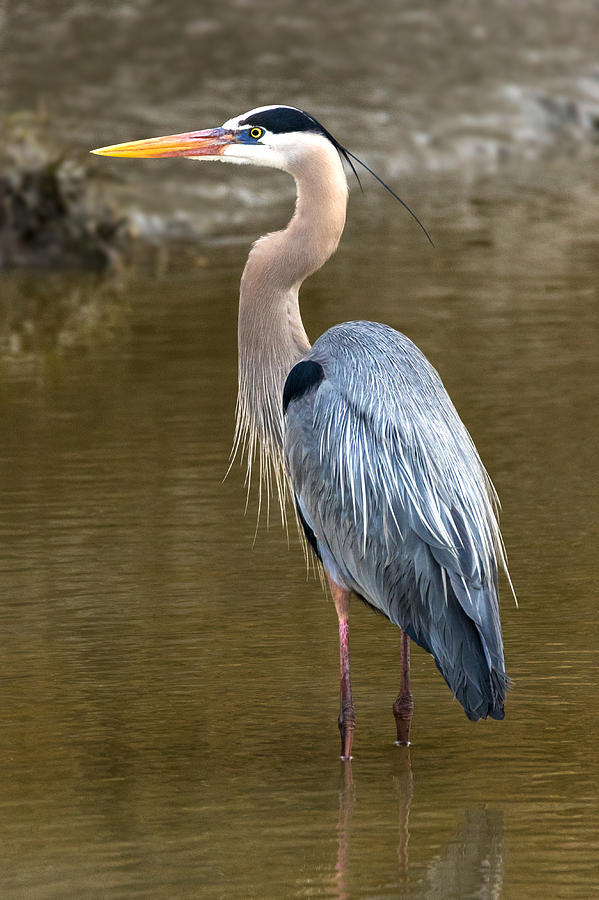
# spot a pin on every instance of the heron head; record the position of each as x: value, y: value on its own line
x: 274, y: 136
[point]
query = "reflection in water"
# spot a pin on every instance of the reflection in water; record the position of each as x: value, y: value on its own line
x: 470, y: 865
x: 405, y: 789
x: 58, y: 311
x: 347, y: 799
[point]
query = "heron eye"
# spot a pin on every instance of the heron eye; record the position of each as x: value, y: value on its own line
x: 256, y: 133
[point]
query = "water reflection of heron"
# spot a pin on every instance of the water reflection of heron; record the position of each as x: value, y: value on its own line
x: 469, y: 865
x: 388, y: 486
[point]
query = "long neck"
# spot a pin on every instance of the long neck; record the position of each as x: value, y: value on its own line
x: 271, y: 333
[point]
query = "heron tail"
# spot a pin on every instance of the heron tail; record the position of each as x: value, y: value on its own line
x: 467, y: 649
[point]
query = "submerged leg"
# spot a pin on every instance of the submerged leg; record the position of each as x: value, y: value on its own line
x: 403, y: 708
x: 347, y: 714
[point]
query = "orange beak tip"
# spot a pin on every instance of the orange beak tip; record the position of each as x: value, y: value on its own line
x: 194, y: 143
x: 112, y: 150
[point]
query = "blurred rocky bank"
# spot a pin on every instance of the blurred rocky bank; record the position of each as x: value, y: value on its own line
x: 56, y: 214
x: 51, y: 214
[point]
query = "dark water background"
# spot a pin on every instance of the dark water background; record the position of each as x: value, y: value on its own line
x: 169, y: 686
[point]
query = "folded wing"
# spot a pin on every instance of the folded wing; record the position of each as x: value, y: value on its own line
x: 396, y: 502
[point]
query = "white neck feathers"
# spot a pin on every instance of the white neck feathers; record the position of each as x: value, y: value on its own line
x: 272, y: 338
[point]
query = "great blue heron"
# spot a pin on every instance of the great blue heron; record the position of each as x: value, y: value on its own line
x: 388, y: 486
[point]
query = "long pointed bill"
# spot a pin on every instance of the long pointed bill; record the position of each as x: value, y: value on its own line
x: 209, y: 143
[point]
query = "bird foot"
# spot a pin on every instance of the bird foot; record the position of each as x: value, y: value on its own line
x: 403, y: 710
x: 347, y: 726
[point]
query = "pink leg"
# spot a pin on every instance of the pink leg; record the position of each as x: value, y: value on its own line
x: 347, y: 714
x: 403, y: 708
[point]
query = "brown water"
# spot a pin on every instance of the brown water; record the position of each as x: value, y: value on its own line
x: 168, y: 724
x: 170, y: 689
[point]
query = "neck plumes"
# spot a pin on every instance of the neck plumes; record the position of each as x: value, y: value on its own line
x: 272, y: 338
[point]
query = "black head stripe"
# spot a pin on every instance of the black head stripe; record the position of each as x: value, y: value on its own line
x: 284, y: 119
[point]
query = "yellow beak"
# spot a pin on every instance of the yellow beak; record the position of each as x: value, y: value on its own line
x: 207, y: 143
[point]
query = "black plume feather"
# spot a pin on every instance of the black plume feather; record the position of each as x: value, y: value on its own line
x: 349, y: 156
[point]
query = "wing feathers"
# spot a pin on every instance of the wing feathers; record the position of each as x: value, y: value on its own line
x: 399, y: 502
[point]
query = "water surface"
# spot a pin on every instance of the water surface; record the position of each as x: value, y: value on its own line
x: 170, y: 687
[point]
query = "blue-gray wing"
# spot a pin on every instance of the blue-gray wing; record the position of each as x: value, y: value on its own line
x: 396, y: 501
